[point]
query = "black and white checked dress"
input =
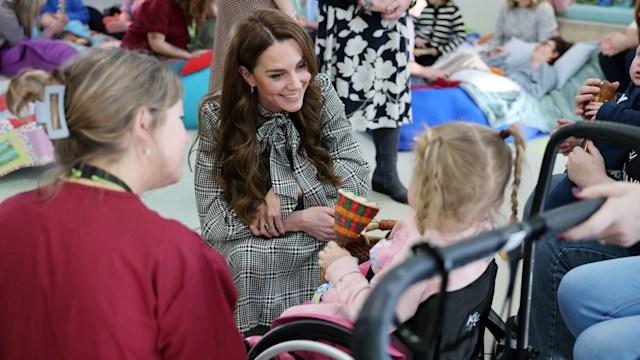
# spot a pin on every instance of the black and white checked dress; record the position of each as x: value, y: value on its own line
x: 367, y: 59
x: 274, y: 274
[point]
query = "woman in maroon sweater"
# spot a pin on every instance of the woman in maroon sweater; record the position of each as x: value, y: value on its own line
x: 161, y: 27
x: 87, y: 271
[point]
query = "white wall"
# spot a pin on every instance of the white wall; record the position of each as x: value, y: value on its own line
x: 480, y: 15
x: 100, y: 4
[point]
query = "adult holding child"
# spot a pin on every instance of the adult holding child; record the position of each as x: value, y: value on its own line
x: 274, y: 148
x: 87, y: 271
x: 363, y: 46
x: 586, y: 167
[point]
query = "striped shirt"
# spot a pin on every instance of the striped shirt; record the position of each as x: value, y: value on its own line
x: 441, y: 27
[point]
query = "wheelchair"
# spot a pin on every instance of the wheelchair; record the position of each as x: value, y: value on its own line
x: 448, y: 325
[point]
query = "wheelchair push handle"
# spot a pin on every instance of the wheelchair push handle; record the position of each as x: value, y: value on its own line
x: 371, y: 337
x: 563, y: 218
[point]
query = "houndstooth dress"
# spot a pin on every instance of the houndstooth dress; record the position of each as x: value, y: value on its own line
x: 274, y: 274
x: 367, y: 59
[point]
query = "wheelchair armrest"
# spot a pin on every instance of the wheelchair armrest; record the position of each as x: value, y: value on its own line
x: 307, y: 329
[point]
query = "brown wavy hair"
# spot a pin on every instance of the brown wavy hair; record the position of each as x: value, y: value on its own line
x: 242, y: 176
x: 461, y: 173
x: 194, y: 9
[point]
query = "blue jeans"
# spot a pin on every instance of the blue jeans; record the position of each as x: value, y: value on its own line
x: 600, y: 304
x: 553, y: 259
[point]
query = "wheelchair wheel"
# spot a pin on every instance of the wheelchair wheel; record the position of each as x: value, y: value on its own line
x: 311, y: 329
x: 306, y: 346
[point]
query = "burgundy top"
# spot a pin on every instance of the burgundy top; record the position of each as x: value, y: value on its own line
x: 94, y: 274
x: 159, y: 16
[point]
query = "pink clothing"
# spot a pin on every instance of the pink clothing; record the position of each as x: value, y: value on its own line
x: 350, y: 288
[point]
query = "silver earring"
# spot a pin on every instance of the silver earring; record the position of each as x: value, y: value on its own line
x: 252, y: 88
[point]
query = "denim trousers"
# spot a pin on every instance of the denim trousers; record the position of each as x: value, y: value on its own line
x: 600, y: 304
x: 552, y: 260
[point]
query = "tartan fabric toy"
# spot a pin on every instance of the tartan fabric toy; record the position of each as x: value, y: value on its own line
x: 353, y: 214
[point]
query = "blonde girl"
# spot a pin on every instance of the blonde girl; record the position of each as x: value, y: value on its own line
x: 461, y: 173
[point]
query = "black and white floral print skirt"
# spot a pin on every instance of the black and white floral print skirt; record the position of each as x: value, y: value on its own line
x: 367, y: 60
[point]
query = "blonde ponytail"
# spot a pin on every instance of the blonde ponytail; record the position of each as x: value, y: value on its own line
x: 28, y: 87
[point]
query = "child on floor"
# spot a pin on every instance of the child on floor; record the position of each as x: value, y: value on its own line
x: 19, y: 47
x: 458, y: 185
x: 439, y: 30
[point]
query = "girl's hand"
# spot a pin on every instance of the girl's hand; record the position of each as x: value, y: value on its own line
x: 586, y: 168
x: 268, y: 220
x: 420, y: 42
x: 316, y: 221
x: 331, y: 253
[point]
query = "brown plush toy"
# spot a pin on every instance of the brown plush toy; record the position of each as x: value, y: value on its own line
x: 607, y: 92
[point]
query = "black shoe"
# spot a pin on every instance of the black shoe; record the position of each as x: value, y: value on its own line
x: 394, y: 189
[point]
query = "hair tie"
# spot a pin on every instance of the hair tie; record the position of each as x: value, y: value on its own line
x: 504, y: 133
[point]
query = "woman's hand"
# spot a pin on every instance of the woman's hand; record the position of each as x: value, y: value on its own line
x: 586, y: 168
x: 331, y: 253
x: 390, y: 9
x: 316, y: 221
x: 617, y: 221
x: 268, y: 220
x: 397, y: 9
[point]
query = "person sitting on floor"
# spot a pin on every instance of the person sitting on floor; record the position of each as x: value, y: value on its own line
x: 18, y: 50
x: 161, y: 27
x: 439, y: 29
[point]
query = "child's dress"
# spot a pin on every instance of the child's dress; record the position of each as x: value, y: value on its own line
x: 350, y: 288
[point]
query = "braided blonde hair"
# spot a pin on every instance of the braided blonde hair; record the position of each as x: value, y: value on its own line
x: 461, y: 173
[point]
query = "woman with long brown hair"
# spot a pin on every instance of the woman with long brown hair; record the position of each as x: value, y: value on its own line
x: 274, y: 148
